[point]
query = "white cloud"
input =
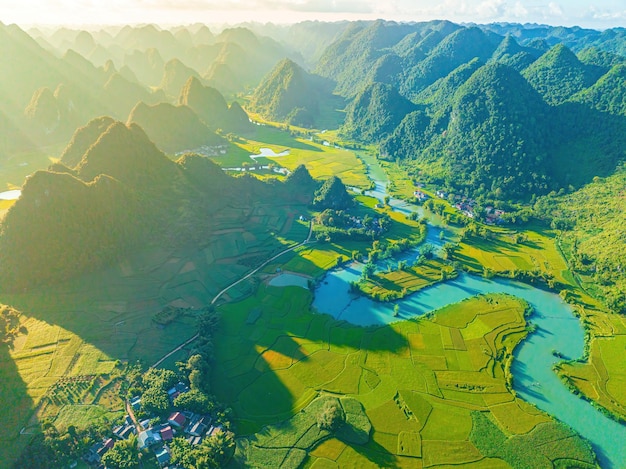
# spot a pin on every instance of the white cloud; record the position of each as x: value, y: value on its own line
x: 604, y: 13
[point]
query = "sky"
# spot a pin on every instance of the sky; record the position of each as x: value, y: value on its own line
x: 599, y: 14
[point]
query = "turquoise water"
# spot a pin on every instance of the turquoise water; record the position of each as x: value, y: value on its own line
x: 534, y: 381
x: 557, y: 329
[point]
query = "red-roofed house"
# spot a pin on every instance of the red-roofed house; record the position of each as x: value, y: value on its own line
x: 177, y: 419
x: 167, y: 434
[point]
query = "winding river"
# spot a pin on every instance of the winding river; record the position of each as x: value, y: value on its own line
x: 557, y: 329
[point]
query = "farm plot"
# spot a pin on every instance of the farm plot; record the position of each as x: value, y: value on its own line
x: 419, y: 382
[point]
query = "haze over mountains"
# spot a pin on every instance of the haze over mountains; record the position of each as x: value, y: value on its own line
x: 502, y: 111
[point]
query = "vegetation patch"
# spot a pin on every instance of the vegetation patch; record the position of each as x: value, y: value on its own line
x: 404, y: 280
x: 289, y: 442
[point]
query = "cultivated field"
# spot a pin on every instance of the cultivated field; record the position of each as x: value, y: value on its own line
x: 75, y: 337
x: 423, y: 384
x: 602, y: 378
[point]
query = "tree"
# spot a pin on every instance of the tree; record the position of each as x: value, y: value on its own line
x: 448, y: 250
x: 368, y: 270
x: 427, y: 250
x: 124, y: 455
x: 331, y: 416
x: 195, y: 401
x: 155, y: 401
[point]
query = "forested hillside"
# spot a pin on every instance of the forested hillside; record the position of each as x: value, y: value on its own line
x: 123, y: 193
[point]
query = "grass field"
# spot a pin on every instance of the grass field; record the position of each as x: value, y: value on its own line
x: 418, y: 381
x: 501, y: 254
x: 14, y: 170
x: 396, y: 284
x: 322, y: 161
x: 74, y: 334
x: 602, y: 378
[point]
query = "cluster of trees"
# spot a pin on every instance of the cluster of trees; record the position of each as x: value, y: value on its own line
x: 52, y: 448
x: 334, y: 225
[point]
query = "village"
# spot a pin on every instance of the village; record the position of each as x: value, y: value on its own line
x: 465, y: 205
x: 154, y: 434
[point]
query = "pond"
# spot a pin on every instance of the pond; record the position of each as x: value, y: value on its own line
x: 289, y: 280
x: 269, y: 153
x: 557, y: 329
x: 10, y: 195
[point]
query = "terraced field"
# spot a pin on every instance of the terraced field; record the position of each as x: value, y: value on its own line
x: 75, y: 333
x: 603, y: 377
x: 423, y: 383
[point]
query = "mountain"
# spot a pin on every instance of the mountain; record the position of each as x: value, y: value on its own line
x: 173, y: 128
x: 558, y: 74
x: 206, y: 101
x: 88, y: 225
x: 289, y: 93
x: 510, y: 53
x: 148, y: 66
x: 495, y: 122
x: 332, y: 194
x: 175, y: 75
x: 375, y: 112
x: 123, y: 195
x: 43, y: 111
x: 82, y: 139
x: 349, y: 59
x: 124, y: 95
x: 608, y: 94
x: 453, y: 51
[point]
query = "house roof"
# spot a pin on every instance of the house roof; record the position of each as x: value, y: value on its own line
x: 167, y: 433
x: 163, y: 455
x: 177, y: 418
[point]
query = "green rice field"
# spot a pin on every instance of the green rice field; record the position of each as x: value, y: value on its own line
x: 420, y: 382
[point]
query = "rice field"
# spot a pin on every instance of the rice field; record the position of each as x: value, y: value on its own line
x: 419, y: 382
x: 92, y: 325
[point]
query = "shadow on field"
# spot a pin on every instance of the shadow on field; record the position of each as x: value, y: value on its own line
x: 14, y: 397
x: 376, y: 453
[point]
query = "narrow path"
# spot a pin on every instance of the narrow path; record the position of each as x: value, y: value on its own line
x: 237, y: 282
x: 131, y: 413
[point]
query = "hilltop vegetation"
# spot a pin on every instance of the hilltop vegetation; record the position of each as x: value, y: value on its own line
x: 289, y: 93
x: 116, y: 198
x: 593, y: 225
x: 173, y: 128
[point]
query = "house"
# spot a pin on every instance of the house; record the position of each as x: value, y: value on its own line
x: 135, y: 402
x: 176, y: 419
x: 163, y: 456
x: 93, y: 455
x: 198, y: 425
x: 106, y: 446
x: 441, y: 194
x: 148, y: 438
x: 194, y: 440
x: 167, y: 434
x: 173, y: 393
x: 124, y: 431
x: 419, y: 195
x: 215, y: 430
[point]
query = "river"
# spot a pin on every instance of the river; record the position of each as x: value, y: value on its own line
x: 557, y: 329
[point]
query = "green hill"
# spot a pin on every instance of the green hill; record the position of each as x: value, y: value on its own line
x: 608, y: 94
x: 558, y: 74
x: 593, y: 224
x: 375, y: 112
x: 207, y: 102
x: 175, y: 75
x: 453, y: 51
x: 83, y: 138
x: 289, y: 93
x: 173, y: 128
